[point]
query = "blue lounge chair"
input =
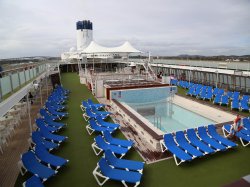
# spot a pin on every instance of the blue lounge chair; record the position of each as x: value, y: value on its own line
x: 100, y: 145
x: 190, y: 91
x: 89, y: 114
x: 210, y: 141
x: 30, y: 163
x: 38, y: 139
x: 224, y: 100
x: 245, y: 98
x: 212, y: 132
x: 220, y: 92
x: 202, y: 94
x: 115, y: 141
x: 131, y: 165
x: 52, y: 123
x: 94, y: 110
x: 33, y: 181
x: 235, y: 104
x: 236, y: 96
x: 44, y: 113
x: 215, y: 91
x: 184, y: 144
x: 97, y: 105
x: 50, y: 159
x: 60, y: 115
x: 106, y: 172
x: 169, y: 144
x: 51, y: 137
x: 55, y: 106
x: 229, y: 94
x: 93, y: 127
x: 209, y: 96
x: 217, y: 99
x: 103, y: 123
x: 243, y: 137
x: 244, y: 106
x: 40, y: 123
x: 194, y: 140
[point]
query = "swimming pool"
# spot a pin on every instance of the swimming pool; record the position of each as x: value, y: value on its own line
x: 155, y: 105
x: 169, y: 117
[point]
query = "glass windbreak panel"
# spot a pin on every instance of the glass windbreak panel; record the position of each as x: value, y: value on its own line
x: 22, y: 77
x: 27, y: 75
x: 248, y: 84
x: 5, y: 85
x: 34, y: 72
x: 31, y: 74
x: 15, y: 80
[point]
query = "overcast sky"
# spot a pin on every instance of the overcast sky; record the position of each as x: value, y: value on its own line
x: 164, y: 27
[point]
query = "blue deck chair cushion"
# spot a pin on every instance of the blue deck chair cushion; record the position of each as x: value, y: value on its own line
x: 33, y: 181
x: 38, y: 139
x: 101, y: 122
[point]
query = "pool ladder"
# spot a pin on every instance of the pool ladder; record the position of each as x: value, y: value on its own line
x: 157, y: 121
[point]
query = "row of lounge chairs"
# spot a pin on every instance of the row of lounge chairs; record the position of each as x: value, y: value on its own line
x: 38, y: 160
x: 219, y: 96
x: 190, y: 145
x: 111, y: 165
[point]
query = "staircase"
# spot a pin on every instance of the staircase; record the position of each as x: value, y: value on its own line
x: 150, y: 71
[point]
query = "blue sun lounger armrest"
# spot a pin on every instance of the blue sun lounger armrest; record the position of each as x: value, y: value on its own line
x: 184, y: 144
x: 194, y: 140
x: 48, y: 158
x: 115, y: 141
x: 123, y: 163
x: 100, y: 145
x: 92, y: 127
x: 52, y: 137
x: 33, y: 181
x: 212, y: 132
x: 210, y: 141
x: 31, y: 164
x: 106, y: 172
x: 103, y: 123
x: 177, y: 152
x: 38, y: 139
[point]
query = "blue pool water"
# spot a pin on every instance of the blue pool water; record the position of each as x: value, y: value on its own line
x: 153, y: 104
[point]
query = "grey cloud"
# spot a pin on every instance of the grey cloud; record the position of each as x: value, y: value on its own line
x: 165, y: 27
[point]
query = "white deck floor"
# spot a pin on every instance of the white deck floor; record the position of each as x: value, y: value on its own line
x: 209, y: 112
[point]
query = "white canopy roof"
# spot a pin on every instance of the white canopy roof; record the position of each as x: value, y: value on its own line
x: 96, y: 48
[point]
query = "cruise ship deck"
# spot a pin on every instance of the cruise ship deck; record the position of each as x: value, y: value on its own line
x: 212, y: 170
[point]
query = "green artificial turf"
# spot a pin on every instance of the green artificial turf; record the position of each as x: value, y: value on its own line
x: 212, y: 170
